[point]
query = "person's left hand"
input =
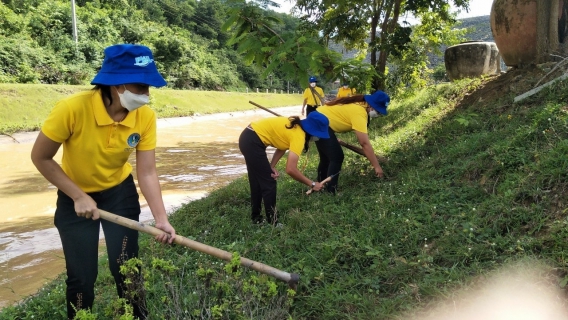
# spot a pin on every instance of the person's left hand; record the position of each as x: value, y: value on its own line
x: 275, y: 174
x: 169, y: 235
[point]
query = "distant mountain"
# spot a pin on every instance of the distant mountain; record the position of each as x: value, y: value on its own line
x: 481, y: 28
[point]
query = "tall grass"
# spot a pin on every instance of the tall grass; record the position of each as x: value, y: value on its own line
x: 469, y: 188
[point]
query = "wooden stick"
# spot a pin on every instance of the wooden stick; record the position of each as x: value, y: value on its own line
x: 342, y: 143
x: 265, y: 109
x: 290, y: 278
x: 326, y: 180
x: 360, y: 150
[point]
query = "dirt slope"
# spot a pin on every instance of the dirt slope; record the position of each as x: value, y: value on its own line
x: 514, y: 82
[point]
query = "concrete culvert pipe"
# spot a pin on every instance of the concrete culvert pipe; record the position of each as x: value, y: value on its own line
x: 472, y: 59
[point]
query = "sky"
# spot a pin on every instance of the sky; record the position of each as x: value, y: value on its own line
x: 476, y: 8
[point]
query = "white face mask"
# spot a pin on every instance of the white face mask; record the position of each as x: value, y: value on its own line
x: 345, y: 87
x: 132, y: 101
x: 313, y: 84
x: 373, y: 114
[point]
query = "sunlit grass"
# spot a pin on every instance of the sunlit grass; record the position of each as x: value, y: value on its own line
x: 23, y: 107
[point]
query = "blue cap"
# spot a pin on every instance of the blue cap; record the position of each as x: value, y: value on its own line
x: 378, y: 101
x: 128, y: 63
x: 316, y: 124
x: 312, y: 79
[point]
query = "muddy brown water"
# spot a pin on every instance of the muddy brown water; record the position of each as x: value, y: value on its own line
x: 194, y: 156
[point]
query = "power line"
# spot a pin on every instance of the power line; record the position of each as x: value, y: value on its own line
x: 199, y: 19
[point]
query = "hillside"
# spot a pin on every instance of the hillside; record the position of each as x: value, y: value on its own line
x: 474, y: 182
x: 480, y: 28
x: 37, y: 45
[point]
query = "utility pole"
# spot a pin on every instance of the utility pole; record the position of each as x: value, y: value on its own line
x: 74, y: 21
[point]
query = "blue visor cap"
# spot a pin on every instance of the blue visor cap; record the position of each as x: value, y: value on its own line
x: 378, y: 101
x: 316, y: 124
x: 129, y: 63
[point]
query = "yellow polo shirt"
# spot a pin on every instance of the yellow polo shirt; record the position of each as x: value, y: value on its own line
x: 346, y: 92
x: 95, y: 148
x: 310, y: 96
x: 346, y: 117
x: 273, y: 132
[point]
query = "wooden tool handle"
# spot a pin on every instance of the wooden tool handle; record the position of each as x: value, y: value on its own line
x: 290, y: 278
x: 326, y: 180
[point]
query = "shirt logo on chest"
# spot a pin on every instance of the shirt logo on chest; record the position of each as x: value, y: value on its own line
x: 133, y: 140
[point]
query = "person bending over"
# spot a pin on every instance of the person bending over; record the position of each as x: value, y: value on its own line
x: 283, y: 134
x: 348, y: 114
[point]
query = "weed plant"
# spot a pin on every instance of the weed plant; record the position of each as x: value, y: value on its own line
x: 469, y: 188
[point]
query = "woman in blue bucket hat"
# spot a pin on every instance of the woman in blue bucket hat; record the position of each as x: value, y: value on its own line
x: 283, y: 134
x: 349, y: 114
x: 99, y: 129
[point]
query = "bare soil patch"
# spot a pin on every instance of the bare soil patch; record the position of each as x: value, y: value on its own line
x: 514, y: 82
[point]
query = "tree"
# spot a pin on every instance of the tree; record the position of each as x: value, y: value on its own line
x: 206, y: 21
x: 547, y: 29
x: 373, y: 25
x: 409, y: 68
x: 295, y: 54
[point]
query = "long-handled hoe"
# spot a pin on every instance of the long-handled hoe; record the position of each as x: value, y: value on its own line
x: 342, y: 143
x: 290, y: 278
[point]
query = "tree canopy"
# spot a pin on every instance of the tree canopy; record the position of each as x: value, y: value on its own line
x: 379, y: 28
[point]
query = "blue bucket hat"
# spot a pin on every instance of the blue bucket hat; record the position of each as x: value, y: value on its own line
x: 316, y: 124
x: 128, y: 63
x: 312, y: 79
x: 378, y: 101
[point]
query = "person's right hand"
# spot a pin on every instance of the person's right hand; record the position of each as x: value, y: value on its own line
x: 379, y: 173
x: 302, y: 111
x: 169, y: 235
x: 275, y: 174
x: 86, y: 207
x: 318, y: 186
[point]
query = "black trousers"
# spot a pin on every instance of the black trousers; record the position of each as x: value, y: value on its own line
x: 262, y: 185
x: 80, y: 239
x: 330, y: 160
x: 310, y: 109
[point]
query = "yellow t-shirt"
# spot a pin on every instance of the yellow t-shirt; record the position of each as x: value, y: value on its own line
x: 95, y: 148
x: 346, y: 117
x: 273, y: 132
x: 310, y: 96
x: 341, y: 92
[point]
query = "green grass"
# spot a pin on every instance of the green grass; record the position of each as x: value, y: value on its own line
x: 23, y: 107
x: 469, y: 188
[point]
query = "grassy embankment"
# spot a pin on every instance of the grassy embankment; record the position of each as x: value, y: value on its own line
x: 23, y: 107
x: 471, y: 186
